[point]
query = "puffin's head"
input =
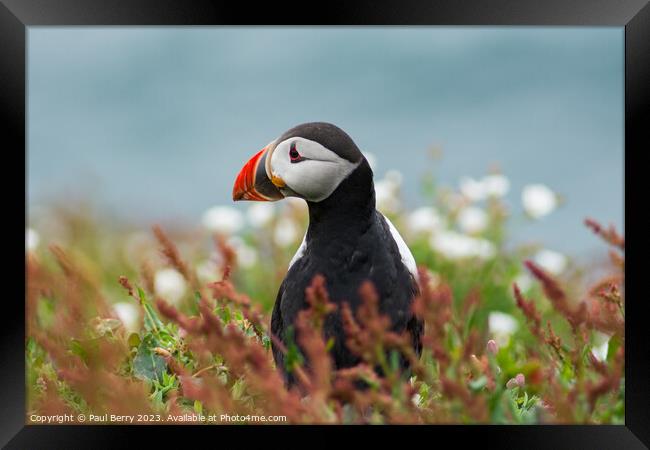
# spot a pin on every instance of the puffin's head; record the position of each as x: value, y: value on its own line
x: 308, y: 161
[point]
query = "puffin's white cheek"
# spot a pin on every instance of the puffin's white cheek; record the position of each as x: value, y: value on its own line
x: 280, y: 165
x: 314, y: 180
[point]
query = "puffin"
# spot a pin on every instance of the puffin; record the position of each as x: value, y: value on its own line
x: 348, y: 241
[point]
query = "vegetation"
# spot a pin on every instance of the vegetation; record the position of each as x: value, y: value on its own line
x: 174, y: 326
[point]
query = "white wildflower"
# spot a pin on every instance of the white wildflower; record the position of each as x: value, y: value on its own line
x: 524, y: 281
x: 129, y: 315
x: 500, y: 322
x: 286, y: 232
x: 458, y: 246
x: 550, y: 261
x: 259, y: 214
x: 170, y: 285
x: 424, y: 219
x: 246, y: 255
x: 454, y: 200
x: 387, y: 194
x: 372, y: 160
x: 502, y: 325
x: 50, y: 223
x: 395, y: 177
x: 600, y: 346
x: 472, y: 219
x: 207, y: 271
x: 223, y: 220
x: 538, y: 200
x: 434, y: 279
x: 474, y: 190
x: 496, y: 185
x: 32, y: 239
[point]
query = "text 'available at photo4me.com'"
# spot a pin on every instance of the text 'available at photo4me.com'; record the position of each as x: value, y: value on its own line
x: 151, y: 418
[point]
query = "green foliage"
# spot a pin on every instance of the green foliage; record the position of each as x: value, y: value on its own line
x: 146, y: 364
x: 460, y: 382
x: 293, y: 357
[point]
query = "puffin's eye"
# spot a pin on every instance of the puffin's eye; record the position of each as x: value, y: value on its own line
x: 294, y: 155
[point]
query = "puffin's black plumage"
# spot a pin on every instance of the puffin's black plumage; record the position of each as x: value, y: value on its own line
x: 348, y: 242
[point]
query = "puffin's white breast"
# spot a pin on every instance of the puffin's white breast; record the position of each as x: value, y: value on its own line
x: 300, y: 252
x: 407, y: 257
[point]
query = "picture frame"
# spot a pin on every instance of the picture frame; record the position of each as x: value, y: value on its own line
x: 17, y: 15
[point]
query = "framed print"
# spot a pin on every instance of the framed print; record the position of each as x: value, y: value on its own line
x: 366, y: 216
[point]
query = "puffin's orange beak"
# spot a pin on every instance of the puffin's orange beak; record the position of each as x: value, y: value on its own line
x: 253, y: 183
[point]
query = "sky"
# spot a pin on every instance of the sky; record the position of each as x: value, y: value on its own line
x: 153, y: 123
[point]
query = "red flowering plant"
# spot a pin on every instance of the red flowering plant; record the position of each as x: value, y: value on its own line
x: 141, y: 326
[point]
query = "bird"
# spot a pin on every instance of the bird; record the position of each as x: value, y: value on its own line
x: 348, y: 241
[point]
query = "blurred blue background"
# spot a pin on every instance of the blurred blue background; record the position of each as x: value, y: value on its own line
x: 153, y: 124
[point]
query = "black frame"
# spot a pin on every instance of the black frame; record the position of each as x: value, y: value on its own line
x: 634, y: 15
